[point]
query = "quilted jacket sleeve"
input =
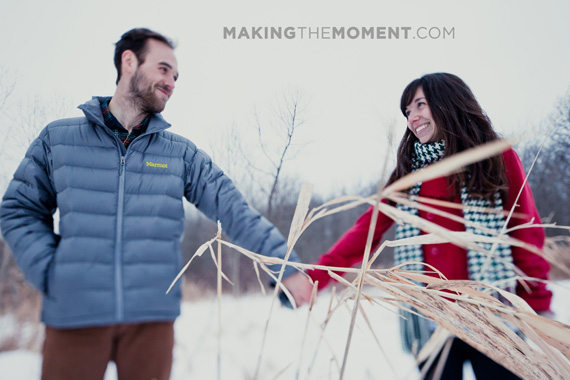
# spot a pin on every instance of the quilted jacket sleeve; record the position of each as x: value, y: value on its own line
x: 215, y: 194
x: 26, y: 214
x: 537, y: 295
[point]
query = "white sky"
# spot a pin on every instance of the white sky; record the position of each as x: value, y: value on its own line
x: 514, y: 55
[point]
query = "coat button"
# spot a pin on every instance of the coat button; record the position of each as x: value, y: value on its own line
x: 434, y: 251
x: 430, y: 216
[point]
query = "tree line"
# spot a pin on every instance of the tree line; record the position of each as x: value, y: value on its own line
x: 258, y: 161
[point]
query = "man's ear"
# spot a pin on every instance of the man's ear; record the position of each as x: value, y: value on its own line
x: 129, y: 62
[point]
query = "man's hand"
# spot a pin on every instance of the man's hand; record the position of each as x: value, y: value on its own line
x: 300, y: 287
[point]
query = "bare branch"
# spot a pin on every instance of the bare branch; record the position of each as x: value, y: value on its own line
x: 287, y: 112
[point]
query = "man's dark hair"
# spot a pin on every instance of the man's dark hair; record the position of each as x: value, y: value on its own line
x: 135, y: 40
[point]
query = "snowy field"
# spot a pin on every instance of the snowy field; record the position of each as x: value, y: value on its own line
x: 285, y: 354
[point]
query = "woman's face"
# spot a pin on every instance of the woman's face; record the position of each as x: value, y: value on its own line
x: 420, y: 120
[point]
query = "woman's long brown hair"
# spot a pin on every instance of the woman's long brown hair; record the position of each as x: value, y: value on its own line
x: 464, y: 125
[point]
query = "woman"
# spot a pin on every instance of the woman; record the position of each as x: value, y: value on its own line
x: 444, y: 118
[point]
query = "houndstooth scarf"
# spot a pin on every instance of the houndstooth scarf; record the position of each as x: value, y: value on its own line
x: 416, y: 330
x: 499, y: 268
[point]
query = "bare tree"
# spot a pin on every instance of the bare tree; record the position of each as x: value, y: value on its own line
x: 22, y: 122
x: 266, y: 152
x: 17, y: 297
x: 230, y: 153
x: 256, y: 164
x: 255, y: 158
x: 33, y: 113
x: 550, y: 179
x: 7, y: 85
x: 287, y: 118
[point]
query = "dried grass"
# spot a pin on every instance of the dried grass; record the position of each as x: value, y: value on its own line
x: 21, y: 304
x: 557, y: 250
x: 465, y: 309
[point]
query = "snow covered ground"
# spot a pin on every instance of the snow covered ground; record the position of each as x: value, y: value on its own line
x: 243, y: 322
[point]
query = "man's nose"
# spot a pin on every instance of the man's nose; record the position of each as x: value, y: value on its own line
x: 170, y: 82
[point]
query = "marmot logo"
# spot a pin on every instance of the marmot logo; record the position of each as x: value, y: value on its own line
x: 154, y: 165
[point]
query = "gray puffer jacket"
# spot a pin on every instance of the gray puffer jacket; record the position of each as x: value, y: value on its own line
x: 121, y: 219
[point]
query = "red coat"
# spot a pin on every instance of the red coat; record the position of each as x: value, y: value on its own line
x: 448, y: 258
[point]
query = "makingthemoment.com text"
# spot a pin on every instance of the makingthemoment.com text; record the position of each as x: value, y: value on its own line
x: 337, y: 33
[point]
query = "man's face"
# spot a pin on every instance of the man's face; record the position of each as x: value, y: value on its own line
x: 152, y: 83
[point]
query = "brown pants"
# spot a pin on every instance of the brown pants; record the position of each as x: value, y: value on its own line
x: 140, y: 351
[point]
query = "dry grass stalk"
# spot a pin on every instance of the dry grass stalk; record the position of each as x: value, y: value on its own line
x: 436, y: 344
x: 444, y: 347
x: 482, y: 335
x: 367, y: 251
x: 375, y: 336
x: 322, y: 327
x: 219, y: 287
x: 311, y: 303
x: 472, y: 318
x: 557, y: 251
x: 464, y: 308
x: 294, y: 234
x: 361, y: 274
x: 448, y: 166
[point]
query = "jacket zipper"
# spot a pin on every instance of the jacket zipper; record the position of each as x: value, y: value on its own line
x: 118, y: 244
x: 119, y: 300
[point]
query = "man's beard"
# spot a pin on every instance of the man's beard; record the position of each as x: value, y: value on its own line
x: 142, y: 94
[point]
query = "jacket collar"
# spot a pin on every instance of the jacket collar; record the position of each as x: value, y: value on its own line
x: 92, y: 111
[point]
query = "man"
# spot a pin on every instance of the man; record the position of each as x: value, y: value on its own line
x: 118, y: 179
